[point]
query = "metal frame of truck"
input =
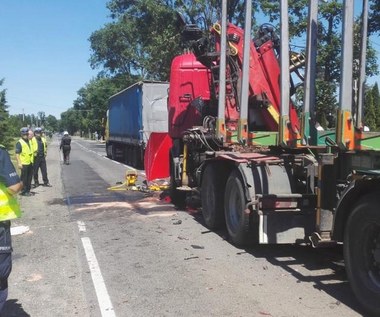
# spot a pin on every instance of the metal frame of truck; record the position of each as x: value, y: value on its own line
x: 282, y: 186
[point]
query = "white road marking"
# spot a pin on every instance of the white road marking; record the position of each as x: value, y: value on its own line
x: 105, y: 305
x: 19, y: 230
x: 81, y: 226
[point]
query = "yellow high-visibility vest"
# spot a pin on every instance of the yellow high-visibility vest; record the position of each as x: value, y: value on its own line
x: 45, y: 145
x: 9, y: 207
x: 34, y: 143
x: 26, y: 155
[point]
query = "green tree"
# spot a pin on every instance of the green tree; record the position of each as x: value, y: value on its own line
x: 329, y: 48
x: 51, y: 123
x: 326, y: 103
x: 92, y: 101
x: 144, y: 37
x: 369, y: 111
x: 41, y: 117
x: 141, y: 41
x: 297, y: 14
x: 6, y: 136
x: 374, y: 90
x: 15, y: 124
x: 374, y: 17
x: 205, y: 13
x: 70, y: 121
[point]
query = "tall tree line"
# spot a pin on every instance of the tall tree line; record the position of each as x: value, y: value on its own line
x: 144, y: 36
x: 10, y: 125
x: 6, y: 135
x: 372, y: 108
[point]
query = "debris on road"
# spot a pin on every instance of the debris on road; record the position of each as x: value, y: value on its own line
x: 15, y: 231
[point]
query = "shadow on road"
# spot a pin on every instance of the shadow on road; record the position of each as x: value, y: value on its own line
x: 323, y: 267
x: 13, y: 309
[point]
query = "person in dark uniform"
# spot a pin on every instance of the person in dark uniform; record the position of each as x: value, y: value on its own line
x: 9, y: 209
x: 40, y: 151
x: 25, y: 157
x: 66, y: 147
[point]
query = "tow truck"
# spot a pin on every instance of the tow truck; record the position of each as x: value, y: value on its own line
x: 261, y: 167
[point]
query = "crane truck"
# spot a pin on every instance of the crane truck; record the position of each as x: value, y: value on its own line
x: 261, y: 167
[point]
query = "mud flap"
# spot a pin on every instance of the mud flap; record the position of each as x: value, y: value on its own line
x: 282, y: 228
x: 156, y: 158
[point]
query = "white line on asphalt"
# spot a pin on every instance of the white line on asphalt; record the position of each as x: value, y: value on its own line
x: 19, y: 230
x: 81, y: 226
x: 105, y: 305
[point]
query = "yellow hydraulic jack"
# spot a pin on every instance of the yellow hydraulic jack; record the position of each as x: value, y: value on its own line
x: 130, y: 184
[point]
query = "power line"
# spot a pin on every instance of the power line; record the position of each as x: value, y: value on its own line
x: 33, y: 103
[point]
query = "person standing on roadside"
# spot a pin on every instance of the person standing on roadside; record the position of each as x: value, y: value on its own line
x: 25, y: 157
x: 32, y: 139
x: 40, y: 150
x: 30, y: 134
x: 66, y: 147
x: 10, y: 185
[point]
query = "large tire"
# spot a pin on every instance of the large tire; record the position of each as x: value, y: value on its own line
x: 128, y: 155
x: 177, y: 197
x: 212, y: 195
x: 237, y: 219
x: 108, y: 150
x: 362, y: 252
x: 134, y: 152
x: 113, y: 152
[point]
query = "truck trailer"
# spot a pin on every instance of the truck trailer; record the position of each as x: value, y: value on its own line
x: 133, y: 114
x: 262, y: 168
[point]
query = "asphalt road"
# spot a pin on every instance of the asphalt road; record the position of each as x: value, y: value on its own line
x: 90, y: 251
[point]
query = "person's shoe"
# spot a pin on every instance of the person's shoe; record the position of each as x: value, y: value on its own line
x: 35, y: 185
x: 27, y: 194
x: 47, y: 185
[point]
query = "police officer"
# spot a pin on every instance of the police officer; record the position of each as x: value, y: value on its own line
x: 40, y: 150
x: 25, y: 157
x: 9, y: 209
x: 30, y: 134
x: 66, y: 147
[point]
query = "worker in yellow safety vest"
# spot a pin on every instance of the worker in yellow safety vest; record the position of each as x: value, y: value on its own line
x: 25, y: 158
x: 40, y: 151
x: 10, y: 185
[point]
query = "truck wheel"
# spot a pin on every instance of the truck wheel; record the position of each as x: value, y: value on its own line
x: 128, y: 155
x: 177, y: 197
x: 212, y: 194
x: 134, y: 150
x: 109, y: 150
x: 113, y: 152
x: 237, y: 220
x: 138, y: 157
x: 362, y: 252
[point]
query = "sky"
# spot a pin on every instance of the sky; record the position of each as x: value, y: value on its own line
x: 44, y: 52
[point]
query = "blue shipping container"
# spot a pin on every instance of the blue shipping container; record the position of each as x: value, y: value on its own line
x: 137, y: 111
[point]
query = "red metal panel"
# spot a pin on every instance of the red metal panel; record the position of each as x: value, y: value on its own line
x: 156, y: 159
x: 271, y: 68
x: 189, y: 79
x: 264, y: 76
